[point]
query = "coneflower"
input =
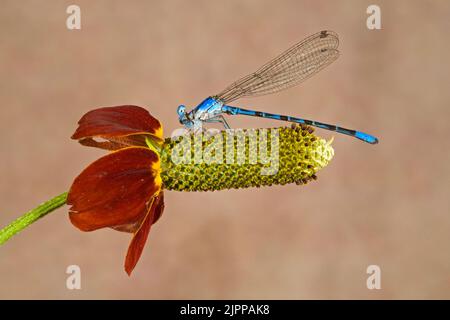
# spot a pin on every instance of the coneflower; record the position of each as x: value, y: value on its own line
x: 124, y: 189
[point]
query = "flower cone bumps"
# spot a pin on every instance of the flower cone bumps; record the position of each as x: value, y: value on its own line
x: 300, y: 154
x: 124, y: 189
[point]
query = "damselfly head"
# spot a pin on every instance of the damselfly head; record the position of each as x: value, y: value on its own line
x: 183, y: 117
x: 181, y: 110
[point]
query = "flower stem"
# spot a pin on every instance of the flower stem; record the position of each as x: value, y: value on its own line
x: 31, y: 216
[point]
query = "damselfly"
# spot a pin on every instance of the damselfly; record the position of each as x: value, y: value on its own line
x: 290, y: 68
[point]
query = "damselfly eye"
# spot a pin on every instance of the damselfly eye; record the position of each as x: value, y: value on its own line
x: 181, y: 110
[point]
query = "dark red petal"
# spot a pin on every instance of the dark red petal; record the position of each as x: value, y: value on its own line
x: 140, y: 237
x: 133, y: 227
x: 159, y: 209
x: 115, y: 143
x: 115, y: 189
x: 130, y: 227
x: 117, y: 121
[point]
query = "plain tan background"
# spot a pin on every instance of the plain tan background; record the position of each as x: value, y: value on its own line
x: 386, y: 204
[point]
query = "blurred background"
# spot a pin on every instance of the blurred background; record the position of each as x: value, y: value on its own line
x: 384, y: 205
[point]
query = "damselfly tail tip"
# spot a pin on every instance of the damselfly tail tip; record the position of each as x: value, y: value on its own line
x: 366, y: 137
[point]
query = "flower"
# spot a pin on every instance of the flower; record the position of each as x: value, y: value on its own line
x: 124, y: 189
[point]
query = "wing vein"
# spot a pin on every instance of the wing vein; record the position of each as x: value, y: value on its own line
x: 290, y: 68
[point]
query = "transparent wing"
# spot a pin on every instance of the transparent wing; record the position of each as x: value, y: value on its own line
x: 288, y: 69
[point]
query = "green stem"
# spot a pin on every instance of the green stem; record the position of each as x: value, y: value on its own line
x: 31, y: 216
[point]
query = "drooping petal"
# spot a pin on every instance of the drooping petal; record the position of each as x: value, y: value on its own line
x: 120, y: 121
x: 140, y: 236
x: 133, y: 227
x: 115, y: 190
x: 159, y: 209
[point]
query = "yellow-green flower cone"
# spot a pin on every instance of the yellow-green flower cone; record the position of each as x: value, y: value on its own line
x: 294, y: 155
